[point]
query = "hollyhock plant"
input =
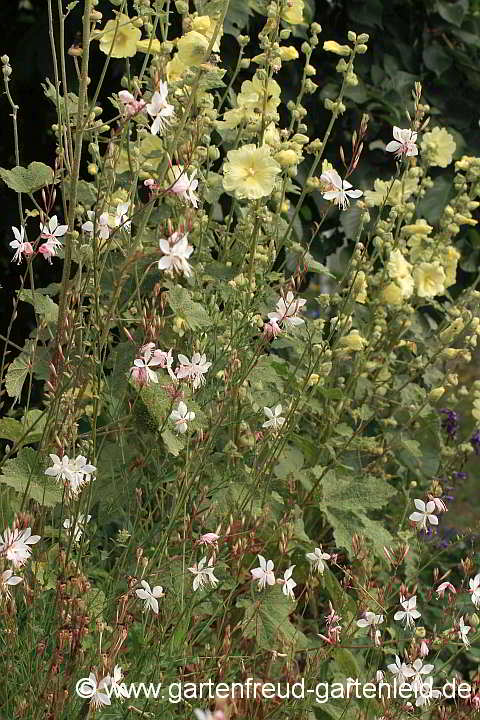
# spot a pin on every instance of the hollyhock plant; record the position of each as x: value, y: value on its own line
x: 404, y: 143
x: 20, y: 245
x: 337, y: 190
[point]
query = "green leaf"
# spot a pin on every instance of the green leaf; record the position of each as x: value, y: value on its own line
x: 27, y: 180
x: 182, y: 305
x: 43, y: 304
x: 341, y: 600
x: 172, y: 442
x: 23, y: 474
x: 355, y: 493
x: 431, y: 205
x: 16, y: 375
x: 453, y: 13
x: 11, y: 429
x: 436, y: 59
x: 267, y: 621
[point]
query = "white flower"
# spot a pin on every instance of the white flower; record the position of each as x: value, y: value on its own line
x: 425, y: 513
x: 160, y: 109
x: 53, y: 230
x: 181, y: 416
x: 101, y: 225
x: 176, y: 252
x: 7, y: 578
x: 409, y: 613
x: 150, y: 595
x: 100, y: 696
x: 275, y: 420
x: 416, y: 671
x: 121, y: 216
x: 463, y: 631
x: 474, y: 585
x: 264, y: 574
x: 19, y: 245
x: 141, y: 371
x: 317, y: 558
x: 404, y: 143
x: 75, y: 472
x: 77, y: 526
x: 370, y: 619
x: 194, y: 369
x: 203, y: 575
x: 182, y: 185
x: 400, y: 670
x: 209, y: 539
x: 288, y: 583
x: 287, y: 311
x: 15, y: 545
x: 339, y: 191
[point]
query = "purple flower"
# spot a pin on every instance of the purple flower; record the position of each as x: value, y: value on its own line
x: 450, y: 422
x: 475, y: 441
x: 460, y: 475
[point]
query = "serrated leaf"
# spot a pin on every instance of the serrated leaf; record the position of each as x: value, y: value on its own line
x: 268, y: 621
x: 355, y: 493
x: 182, y: 305
x: 24, y: 474
x: 27, y: 180
x: 43, y: 304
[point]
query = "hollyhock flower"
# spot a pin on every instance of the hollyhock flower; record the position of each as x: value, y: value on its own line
x: 181, y: 416
x: 429, y: 279
x: 370, y: 619
x: 129, y: 105
x: 409, y: 613
x: 438, y: 147
x: 103, y: 230
x: 474, y: 585
x: 176, y: 252
x: 443, y: 587
x: 264, y: 574
x: 288, y: 583
x: 404, y: 143
x: 287, y: 311
x: 250, y: 172
x: 337, y: 190
x: 183, y: 185
x: 194, y: 369
x: 15, y: 545
x: 160, y: 109
x: 20, y: 246
x: 119, y: 37
x: 77, y: 527
x: 463, y: 631
x: 150, y: 595
x: 141, y: 372
x: 424, y: 514
x: 275, y: 420
x: 317, y: 560
x: 8, y: 579
x: 203, y: 575
x: 53, y: 230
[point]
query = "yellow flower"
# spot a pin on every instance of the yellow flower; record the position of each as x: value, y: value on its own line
x: 399, y: 270
x: 438, y: 147
x: 250, y: 172
x: 450, y: 266
x: 149, y: 45
x: 250, y: 102
x: 353, y: 341
x: 286, y: 158
x: 175, y: 69
x: 429, y: 279
x: 420, y: 227
x: 206, y: 25
x: 359, y: 289
x: 392, y: 294
x: 119, y: 37
x: 288, y: 53
x: 378, y: 195
x: 293, y: 12
x: 192, y: 48
x: 336, y: 48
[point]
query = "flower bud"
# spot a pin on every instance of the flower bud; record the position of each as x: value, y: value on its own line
x: 352, y: 36
x: 361, y: 49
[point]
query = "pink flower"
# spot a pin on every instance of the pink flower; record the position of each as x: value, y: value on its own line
x: 20, y: 246
x: 15, y: 545
x: 194, y: 369
x: 271, y: 330
x: 49, y: 249
x: 404, y: 143
x: 184, y: 186
x: 130, y: 105
x: 141, y: 372
x: 209, y: 539
x: 287, y: 311
x: 443, y: 587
